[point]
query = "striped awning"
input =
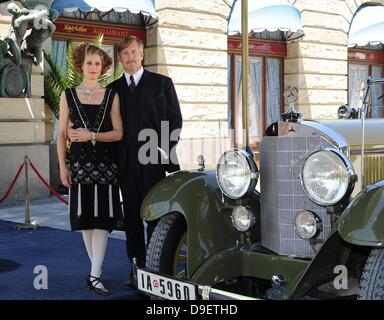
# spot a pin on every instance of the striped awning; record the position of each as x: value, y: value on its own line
x: 132, y: 12
x: 277, y: 17
x: 367, y: 27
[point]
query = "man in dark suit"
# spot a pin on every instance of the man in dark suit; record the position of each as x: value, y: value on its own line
x: 150, y: 109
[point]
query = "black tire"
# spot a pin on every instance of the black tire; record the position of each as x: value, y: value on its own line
x: 372, y: 280
x: 164, y: 242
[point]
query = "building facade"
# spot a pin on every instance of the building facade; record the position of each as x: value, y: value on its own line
x: 189, y: 41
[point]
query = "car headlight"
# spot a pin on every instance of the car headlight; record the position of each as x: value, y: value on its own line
x: 327, y: 176
x: 242, y: 218
x: 346, y: 112
x: 236, y: 173
x: 307, y: 224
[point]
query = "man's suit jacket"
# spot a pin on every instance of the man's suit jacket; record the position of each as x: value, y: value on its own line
x: 157, y: 102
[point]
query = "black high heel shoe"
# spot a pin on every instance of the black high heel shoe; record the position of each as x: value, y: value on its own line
x: 92, y: 282
x: 88, y: 281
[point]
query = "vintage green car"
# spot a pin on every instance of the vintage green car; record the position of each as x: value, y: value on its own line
x: 315, y: 230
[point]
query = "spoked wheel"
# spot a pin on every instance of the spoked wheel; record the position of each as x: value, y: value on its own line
x: 167, y: 249
x: 180, y: 259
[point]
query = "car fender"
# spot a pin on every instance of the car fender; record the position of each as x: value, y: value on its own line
x: 334, y: 254
x: 195, y: 195
x: 362, y: 222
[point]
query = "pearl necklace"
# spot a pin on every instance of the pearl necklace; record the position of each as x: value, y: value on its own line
x: 89, y: 91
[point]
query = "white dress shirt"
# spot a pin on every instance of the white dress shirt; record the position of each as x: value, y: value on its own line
x: 136, y: 76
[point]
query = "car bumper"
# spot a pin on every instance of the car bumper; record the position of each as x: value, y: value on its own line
x: 170, y: 288
x: 209, y: 293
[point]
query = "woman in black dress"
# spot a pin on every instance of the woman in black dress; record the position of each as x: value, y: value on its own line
x: 92, y: 177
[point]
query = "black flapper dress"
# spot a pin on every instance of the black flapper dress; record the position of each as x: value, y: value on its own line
x: 94, y: 201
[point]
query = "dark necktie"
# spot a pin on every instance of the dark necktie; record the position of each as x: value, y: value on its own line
x: 132, y: 85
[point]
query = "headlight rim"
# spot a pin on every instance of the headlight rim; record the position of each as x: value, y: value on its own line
x: 252, y: 166
x: 352, y: 177
x: 251, y: 215
x: 319, y: 225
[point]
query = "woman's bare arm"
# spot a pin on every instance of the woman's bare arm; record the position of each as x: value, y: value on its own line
x: 116, y: 134
x: 61, y: 141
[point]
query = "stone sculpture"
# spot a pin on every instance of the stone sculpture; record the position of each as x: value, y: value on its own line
x: 17, y: 52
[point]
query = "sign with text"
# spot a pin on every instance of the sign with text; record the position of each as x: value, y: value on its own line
x: 74, y: 27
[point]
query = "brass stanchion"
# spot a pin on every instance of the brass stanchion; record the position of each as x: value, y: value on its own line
x: 27, y: 223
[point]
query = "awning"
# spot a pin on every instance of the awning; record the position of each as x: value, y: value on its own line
x: 131, y: 12
x: 273, y: 16
x: 367, y: 27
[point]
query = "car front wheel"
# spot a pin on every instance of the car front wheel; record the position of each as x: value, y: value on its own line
x: 167, y: 249
x: 372, y: 280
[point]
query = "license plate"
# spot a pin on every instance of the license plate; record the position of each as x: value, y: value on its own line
x: 164, y: 287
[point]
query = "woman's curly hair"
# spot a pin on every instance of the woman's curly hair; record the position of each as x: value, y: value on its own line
x: 79, y: 53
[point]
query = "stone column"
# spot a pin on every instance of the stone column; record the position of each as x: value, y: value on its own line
x: 24, y: 130
x: 190, y: 46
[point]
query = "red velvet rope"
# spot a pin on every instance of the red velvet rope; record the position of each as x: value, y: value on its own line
x: 12, y: 183
x: 47, y: 185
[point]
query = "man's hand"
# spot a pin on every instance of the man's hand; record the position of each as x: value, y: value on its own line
x: 163, y: 155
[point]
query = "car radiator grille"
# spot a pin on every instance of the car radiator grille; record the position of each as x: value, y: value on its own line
x: 374, y: 168
x: 282, y: 196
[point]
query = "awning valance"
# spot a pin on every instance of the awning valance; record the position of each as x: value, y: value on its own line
x: 367, y: 27
x: 124, y: 11
x: 268, y: 16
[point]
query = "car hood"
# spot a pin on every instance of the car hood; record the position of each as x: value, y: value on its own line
x: 351, y: 131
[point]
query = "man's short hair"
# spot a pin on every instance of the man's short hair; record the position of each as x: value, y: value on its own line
x: 125, y: 42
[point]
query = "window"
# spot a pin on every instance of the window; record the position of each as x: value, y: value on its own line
x: 265, y: 87
x: 363, y: 64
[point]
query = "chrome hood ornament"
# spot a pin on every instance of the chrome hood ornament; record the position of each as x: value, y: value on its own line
x: 290, y: 95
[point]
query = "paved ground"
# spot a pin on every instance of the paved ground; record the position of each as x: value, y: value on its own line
x: 61, y: 251
x: 52, y: 264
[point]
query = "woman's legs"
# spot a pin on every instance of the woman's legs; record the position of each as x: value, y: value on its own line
x: 87, y: 237
x: 99, y: 246
x: 95, y: 241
